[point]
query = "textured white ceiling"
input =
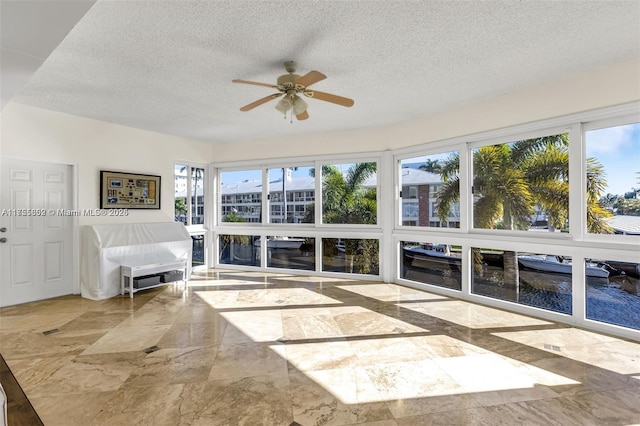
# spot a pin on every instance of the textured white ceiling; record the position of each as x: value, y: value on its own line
x: 29, y: 32
x: 167, y: 66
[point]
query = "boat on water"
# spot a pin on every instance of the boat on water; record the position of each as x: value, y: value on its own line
x: 623, y: 268
x: 431, y: 256
x: 281, y: 242
x: 555, y: 264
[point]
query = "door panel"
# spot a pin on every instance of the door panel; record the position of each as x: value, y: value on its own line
x: 53, y: 200
x: 37, y: 256
x: 20, y: 199
x: 53, y: 261
x: 21, y: 272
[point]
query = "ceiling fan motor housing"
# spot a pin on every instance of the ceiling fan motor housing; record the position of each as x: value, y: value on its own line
x: 288, y: 80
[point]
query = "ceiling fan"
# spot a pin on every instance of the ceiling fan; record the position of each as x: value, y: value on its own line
x: 290, y: 86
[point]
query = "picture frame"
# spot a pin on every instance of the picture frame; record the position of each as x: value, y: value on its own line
x: 122, y: 190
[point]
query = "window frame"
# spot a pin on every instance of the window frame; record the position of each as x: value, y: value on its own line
x: 318, y: 195
x: 234, y: 197
x: 443, y: 147
x: 195, y: 229
x: 508, y: 138
x: 314, y: 230
x: 290, y: 201
x: 598, y: 124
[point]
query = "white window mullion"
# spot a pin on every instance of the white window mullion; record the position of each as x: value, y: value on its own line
x: 188, y: 200
x: 318, y: 213
x: 388, y: 196
x: 577, y: 183
x: 466, y: 183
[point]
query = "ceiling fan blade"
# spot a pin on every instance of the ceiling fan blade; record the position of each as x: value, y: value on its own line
x: 259, y: 102
x: 303, y: 115
x: 328, y: 97
x: 255, y: 83
x: 309, y: 78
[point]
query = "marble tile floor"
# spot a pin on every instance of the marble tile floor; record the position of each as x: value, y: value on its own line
x: 247, y: 348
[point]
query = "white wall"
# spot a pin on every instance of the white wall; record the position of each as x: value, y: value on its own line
x: 612, y: 85
x: 41, y: 135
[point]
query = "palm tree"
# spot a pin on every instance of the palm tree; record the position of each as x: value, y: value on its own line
x: 345, y: 200
x: 430, y: 165
x: 180, y: 208
x: 510, y: 179
x: 344, y: 197
x: 197, y: 175
x: 596, y: 212
x: 284, y: 192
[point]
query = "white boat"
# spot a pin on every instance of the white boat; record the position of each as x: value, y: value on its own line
x: 552, y: 263
x: 282, y: 242
x: 432, y: 256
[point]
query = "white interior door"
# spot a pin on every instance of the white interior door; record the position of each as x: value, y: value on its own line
x: 37, y: 236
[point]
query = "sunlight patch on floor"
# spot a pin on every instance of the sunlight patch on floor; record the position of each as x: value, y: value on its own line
x: 474, y: 316
x: 256, y: 298
x: 613, y: 354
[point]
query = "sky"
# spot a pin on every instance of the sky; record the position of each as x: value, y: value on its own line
x: 617, y: 148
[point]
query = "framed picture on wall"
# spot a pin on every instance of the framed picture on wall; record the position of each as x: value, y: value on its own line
x: 119, y: 190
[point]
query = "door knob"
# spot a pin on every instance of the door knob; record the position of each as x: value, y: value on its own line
x: 3, y: 229
x: 3, y: 240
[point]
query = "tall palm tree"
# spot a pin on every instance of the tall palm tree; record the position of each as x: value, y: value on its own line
x: 197, y: 174
x: 510, y: 179
x: 431, y: 165
x: 284, y: 193
x: 344, y: 197
x: 345, y: 200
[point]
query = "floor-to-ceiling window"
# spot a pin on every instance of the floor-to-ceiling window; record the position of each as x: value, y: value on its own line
x: 550, y: 219
x: 540, y: 219
x: 612, y: 170
x: 319, y: 216
x: 189, y: 206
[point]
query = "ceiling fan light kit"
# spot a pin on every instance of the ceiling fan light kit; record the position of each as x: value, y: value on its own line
x: 290, y: 86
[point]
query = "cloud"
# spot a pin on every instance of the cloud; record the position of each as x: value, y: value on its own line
x: 612, y: 140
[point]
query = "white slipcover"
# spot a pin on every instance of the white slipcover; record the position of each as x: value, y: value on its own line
x: 106, y: 247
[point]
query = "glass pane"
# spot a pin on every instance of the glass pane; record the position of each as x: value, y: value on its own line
x: 197, y: 254
x: 431, y: 263
x: 521, y: 183
x: 299, y: 185
x: 613, y: 180
x: 425, y: 180
x: 291, y: 253
x: 240, y: 250
x: 241, y: 193
x: 349, y: 193
x: 180, y: 193
x: 353, y: 256
x: 614, y: 299
x: 533, y: 279
x: 197, y: 196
